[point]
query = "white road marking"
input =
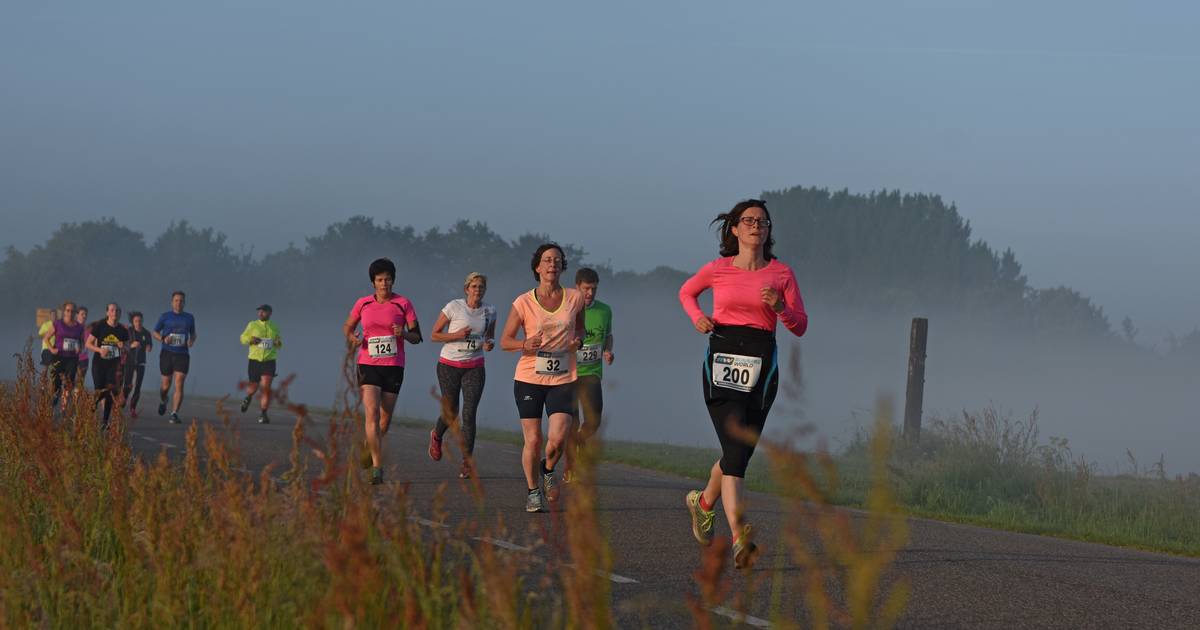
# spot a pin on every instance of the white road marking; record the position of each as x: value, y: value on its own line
x: 749, y: 620
x: 503, y: 544
x: 426, y: 522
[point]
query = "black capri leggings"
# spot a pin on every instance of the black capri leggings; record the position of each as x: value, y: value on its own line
x: 468, y: 381
x: 739, y: 416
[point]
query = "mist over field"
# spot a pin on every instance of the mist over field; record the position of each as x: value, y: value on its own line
x: 1103, y: 394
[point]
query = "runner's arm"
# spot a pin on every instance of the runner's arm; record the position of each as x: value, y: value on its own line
x: 348, y: 329
x: 508, y: 340
x: 580, y: 331
x: 91, y: 344
x: 691, y: 289
x: 412, y: 334
x: 793, y: 315
x: 440, y: 325
x: 246, y: 337
x: 53, y: 347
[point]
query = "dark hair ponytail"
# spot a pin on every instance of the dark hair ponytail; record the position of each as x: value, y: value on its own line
x: 729, y: 242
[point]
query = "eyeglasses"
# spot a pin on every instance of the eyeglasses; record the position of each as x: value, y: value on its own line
x: 753, y: 221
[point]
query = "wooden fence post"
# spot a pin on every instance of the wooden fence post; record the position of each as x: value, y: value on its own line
x: 914, y: 397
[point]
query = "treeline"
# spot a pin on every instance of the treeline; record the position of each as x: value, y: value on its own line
x: 900, y: 254
x: 913, y: 252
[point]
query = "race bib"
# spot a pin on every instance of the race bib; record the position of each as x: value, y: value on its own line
x: 735, y: 371
x: 266, y: 344
x: 382, y: 347
x: 551, y: 363
x: 177, y: 339
x: 469, y: 347
x: 589, y: 354
x: 114, y: 352
x: 70, y: 345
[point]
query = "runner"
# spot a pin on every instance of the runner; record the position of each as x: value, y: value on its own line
x: 467, y: 327
x: 66, y: 341
x: 48, y: 341
x: 551, y: 318
x: 140, y: 344
x: 106, y: 339
x: 596, y: 351
x: 81, y: 315
x: 751, y: 291
x: 388, y: 320
x: 177, y: 332
x: 262, y: 335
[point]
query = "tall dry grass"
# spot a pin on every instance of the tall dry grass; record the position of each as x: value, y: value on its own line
x: 92, y: 534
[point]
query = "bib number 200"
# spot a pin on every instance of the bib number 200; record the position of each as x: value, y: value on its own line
x: 735, y: 371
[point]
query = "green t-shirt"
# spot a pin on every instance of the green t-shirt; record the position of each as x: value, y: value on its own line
x: 597, y: 321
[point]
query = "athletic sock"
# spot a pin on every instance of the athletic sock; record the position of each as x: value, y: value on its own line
x: 532, y: 490
x: 704, y: 504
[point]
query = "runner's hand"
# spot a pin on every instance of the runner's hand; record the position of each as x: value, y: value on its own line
x: 608, y: 357
x: 771, y: 298
x: 704, y: 324
x: 464, y: 333
x: 531, y: 344
x: 489, y: 344
x: 576, y: 344
x: 397, y: 330
x: 134, y: 344
x: 254, y: 341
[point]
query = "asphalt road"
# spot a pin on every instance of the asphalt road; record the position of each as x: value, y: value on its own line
x: 960, y: 576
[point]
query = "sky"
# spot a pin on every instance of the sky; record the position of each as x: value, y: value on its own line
x: 1066, y: 131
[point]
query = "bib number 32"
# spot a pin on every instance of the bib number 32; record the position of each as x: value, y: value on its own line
x: 735, y: 371
x: 551, y: 363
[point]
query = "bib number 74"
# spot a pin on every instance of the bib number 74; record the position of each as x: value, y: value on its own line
x: 735, y: 371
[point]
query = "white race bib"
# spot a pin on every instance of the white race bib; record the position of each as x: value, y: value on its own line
x: 735, y: 371
x: 382, y: 347
x: 177, y: 339
x: 589, y: 353
x: 468, y: 348
x: 551, y: 363
x: 266, y: 344
x: 70, y: 345
x: 114, y: 352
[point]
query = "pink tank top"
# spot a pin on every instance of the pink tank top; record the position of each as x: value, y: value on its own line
x: 554, y: 364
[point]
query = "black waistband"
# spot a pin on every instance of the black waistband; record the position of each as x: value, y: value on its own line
x: 743, y: 332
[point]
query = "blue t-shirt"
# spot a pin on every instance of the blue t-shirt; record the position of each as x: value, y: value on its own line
x: 176, y: 330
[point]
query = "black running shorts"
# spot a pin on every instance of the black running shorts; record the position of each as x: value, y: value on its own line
x: 259, y: 369
x: 389, y: 378
x: 532, y: 398
x: 172, y: 362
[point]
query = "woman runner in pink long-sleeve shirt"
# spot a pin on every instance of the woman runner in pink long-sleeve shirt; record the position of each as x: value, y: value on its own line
x: 751, y: 291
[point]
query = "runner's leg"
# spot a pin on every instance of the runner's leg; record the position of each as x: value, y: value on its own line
x: 266, y: 391
x: 371, y: 397
x: 178, y: 398
x: 472, y: 391
x: 450, y: 379
x: 531, y: 429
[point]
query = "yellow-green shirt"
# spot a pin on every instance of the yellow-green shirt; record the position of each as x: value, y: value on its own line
x: 46, y: 327
x: 268, y: 349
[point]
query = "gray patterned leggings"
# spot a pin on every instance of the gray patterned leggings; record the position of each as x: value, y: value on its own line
x: 470, y: 382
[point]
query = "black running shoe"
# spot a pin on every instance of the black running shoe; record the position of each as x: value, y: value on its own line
x: 245, y: 404
x: 162, y: 408
x: 174, y: 417
x: 263, y: 419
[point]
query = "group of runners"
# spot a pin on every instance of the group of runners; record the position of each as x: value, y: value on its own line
x: 563, y: 336
x: 117, y: 355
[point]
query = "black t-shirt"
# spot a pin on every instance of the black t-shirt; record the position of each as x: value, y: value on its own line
x: 145, y: 342
x: 109, y: 336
